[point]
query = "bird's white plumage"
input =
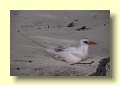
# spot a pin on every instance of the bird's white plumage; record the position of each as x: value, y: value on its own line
x: 73, y: 54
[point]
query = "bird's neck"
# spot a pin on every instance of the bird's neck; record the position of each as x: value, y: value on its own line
x: 83, y: 49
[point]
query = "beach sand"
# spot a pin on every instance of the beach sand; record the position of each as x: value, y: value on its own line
x: 51, y: 28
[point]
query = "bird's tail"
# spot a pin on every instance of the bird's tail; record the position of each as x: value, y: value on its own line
x: 45, y: 46
x: 50, y: 51
x: 35, y: 41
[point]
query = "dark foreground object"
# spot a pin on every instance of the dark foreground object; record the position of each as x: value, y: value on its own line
x: 101, y: 70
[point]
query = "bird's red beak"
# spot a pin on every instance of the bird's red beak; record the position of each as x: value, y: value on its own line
x: 92, y: 43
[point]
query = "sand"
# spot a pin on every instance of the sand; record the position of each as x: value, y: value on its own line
x: 51, y: 28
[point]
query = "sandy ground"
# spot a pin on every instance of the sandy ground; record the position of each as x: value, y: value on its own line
x: 51, y: 28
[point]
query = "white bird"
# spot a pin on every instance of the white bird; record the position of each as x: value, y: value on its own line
x: 73, y: 54
x: 69, y: 54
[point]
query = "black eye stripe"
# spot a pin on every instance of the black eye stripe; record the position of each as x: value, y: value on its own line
x: 86, y: 42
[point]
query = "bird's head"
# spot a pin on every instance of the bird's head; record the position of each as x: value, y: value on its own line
x: 86, y: 42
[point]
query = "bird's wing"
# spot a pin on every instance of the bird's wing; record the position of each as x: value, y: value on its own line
x: 62, y: 47
x: 76, y: 52
x: 58, y: 48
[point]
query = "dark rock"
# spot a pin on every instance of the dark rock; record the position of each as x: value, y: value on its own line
x: 39, y: 28
x: 101, y: 70
x: 82, y: 28
x: 76, y: 20
x: 18, y: 68
x: 30, y: 61
x: 71, y: 24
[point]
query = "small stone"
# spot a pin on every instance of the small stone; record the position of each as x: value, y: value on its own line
x: 76, y: 20
x: 71, y: 24
x: 30, y: 61
x: 39, y: 28
x: 82, y: 28
x: 18, y: 68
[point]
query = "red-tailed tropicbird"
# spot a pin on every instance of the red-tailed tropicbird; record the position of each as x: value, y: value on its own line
x: 73, y: 54
x: 69, y: 54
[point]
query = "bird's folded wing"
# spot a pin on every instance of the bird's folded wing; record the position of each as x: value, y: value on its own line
x: 55, y: 47
x: 62, y: 47
x: 75, y: 52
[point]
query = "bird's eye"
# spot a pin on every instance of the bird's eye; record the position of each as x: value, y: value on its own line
x: 86, y: 42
